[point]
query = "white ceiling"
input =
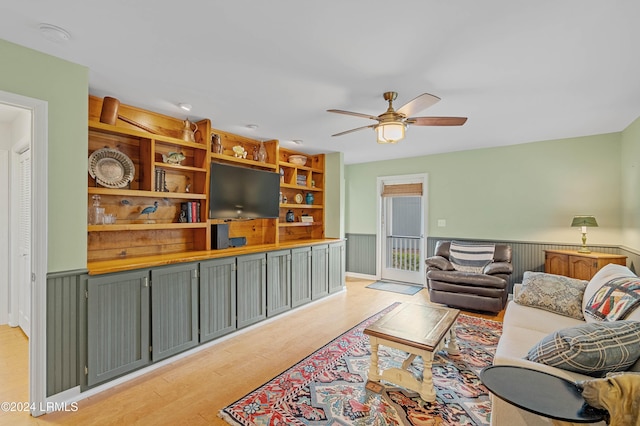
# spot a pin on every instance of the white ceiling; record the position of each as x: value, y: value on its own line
x: 521, y: 71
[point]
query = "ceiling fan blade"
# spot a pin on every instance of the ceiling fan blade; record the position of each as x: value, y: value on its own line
x: 355, y: 130
x: 437, y: 121
x: 357, y: 114
x: 417, y: 104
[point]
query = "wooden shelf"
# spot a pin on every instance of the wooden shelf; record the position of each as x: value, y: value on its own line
x: 145, y: 226
x: 115, y: 130
x: 180, y: 167
x: 293, y: 224
x: 148, y: 194
x: 296, y: 166
x: 300, y: 187
x: 243, y: 161
x: 300, y: 206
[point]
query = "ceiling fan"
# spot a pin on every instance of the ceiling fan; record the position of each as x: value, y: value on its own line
x: 392, y: 123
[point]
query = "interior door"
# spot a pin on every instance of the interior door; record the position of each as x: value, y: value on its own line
x: 403, y: 239
x: 24, y: 243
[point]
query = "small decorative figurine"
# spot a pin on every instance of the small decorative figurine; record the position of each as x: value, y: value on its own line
x: 173, y: 158
x: 289, y: 217
x: 149, y: 210
x: 239, y: 152
x: 217, y: 145
x: 309, y: 198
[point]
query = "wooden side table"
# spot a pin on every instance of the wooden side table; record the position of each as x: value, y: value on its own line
x: 582, y: 266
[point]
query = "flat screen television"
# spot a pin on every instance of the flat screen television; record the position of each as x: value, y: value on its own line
x: 243, y: 193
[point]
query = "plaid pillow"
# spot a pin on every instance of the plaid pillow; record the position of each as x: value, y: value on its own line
x: 594, y: 348
x: 614, y: 300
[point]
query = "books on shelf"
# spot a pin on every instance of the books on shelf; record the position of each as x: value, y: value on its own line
x: 190, y: 212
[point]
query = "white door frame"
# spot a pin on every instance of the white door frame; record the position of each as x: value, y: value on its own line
x: 16, y: 278
x: 39, y: 156
x: 380, y: 232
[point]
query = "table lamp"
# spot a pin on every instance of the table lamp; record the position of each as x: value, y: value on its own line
x: 584, y: 222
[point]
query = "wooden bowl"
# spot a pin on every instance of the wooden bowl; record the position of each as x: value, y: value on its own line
x: 298, y: 160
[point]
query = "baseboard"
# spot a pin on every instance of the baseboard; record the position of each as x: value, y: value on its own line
x: 361, y: 276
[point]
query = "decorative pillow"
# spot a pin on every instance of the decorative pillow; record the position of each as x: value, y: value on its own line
x: 603, y: 276
x: 614, y: 300
x: 470, y: 257
x: 553, y: 293
x: 593, y: 349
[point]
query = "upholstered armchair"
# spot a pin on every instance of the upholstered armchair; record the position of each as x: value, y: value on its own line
x: 473, y: 276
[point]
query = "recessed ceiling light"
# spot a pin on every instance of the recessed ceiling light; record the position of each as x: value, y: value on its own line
x: 54, y: 33
x: 297, y: 141
x: 186, y: 107
x: 252, y: 126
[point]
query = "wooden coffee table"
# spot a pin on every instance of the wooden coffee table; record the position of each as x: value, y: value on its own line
x: 418, y: 330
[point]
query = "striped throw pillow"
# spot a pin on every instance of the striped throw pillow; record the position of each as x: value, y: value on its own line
x: 470, y: 257
x: 593, y: 348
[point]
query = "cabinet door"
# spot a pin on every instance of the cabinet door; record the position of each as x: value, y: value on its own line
x: 278, y: 282
x: 300, y: 276
x: 252, y: 288
x: 174, y: 309
x: 582, y: 268
x: 117, y: 325
x: 217, y: 298
x: 336, y: 266
x: 319, y: 271
x: 556, y: 263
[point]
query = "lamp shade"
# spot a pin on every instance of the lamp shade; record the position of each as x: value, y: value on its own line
x: 391, y: 132
x: 589, y: 221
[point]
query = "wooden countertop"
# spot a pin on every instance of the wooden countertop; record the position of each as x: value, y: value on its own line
x: 593, y: 254
x: 128, y: 264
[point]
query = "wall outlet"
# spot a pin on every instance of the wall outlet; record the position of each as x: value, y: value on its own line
x: 442, y: 223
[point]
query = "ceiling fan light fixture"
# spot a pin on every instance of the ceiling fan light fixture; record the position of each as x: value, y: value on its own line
x: 390, y: 132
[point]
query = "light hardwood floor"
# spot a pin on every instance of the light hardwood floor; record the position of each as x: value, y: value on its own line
x: 192, y: 390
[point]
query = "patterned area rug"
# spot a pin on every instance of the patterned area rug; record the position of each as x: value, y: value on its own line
x: 328, y: 387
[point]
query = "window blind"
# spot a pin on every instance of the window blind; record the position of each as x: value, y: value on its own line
x: 402, y: 190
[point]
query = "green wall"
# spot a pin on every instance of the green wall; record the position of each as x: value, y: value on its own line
x: 65, y: 87
x: 527, y: 192
x: 631, y: 185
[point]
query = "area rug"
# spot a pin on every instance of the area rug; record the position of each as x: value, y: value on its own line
x: 395, y: 287
x: 328, y: 386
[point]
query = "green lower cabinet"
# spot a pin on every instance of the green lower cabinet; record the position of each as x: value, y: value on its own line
x: 319, y: 271
x: 139, y: 317
x: 251, y: 304
x: 174, y: 309
x: 217, y: 298
x: 336, y: 266
x: 278, y: 282
x: 300, y: 276
x: 117, y: 325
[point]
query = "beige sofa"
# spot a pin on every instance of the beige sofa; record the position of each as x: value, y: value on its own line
x: 524, y: 327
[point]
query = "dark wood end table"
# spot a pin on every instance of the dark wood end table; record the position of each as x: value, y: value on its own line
x: 540, y: 393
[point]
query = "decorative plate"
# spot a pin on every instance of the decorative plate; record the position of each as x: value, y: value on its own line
x: 111, y: 168
x: 299, y: 198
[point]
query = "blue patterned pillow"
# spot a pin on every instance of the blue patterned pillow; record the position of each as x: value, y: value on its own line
x: 593, y: 349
